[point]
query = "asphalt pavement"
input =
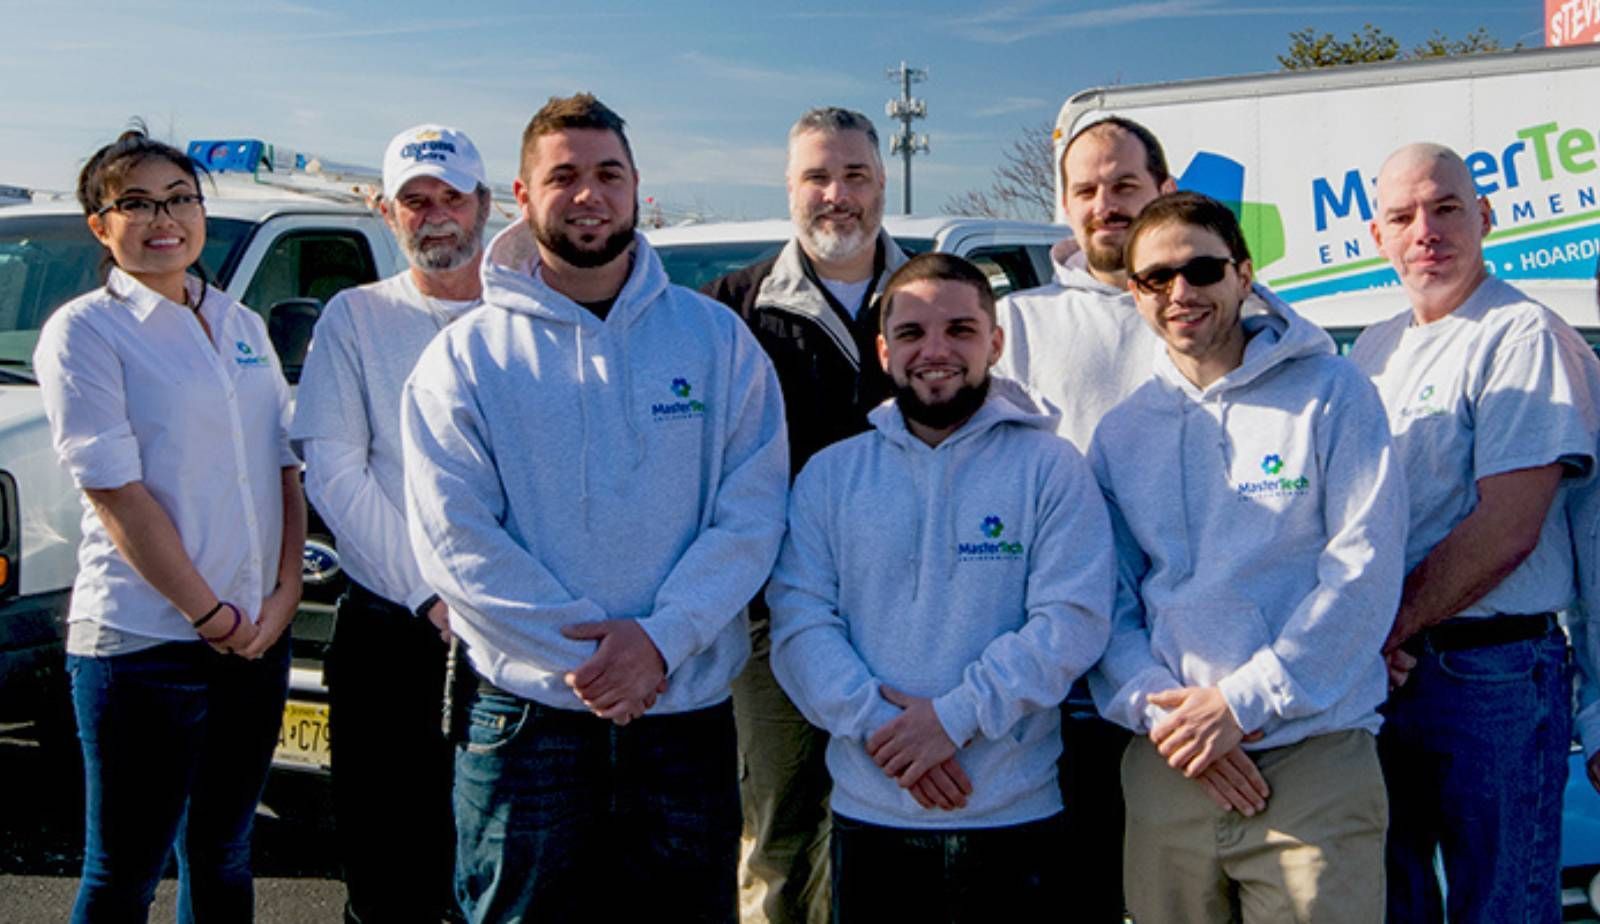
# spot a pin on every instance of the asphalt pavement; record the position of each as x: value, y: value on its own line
x: 41, y: 839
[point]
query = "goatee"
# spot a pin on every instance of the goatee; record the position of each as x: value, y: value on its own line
x: 946, y: 414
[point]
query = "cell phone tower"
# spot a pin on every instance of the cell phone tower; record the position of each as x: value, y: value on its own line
x: 905, y: 142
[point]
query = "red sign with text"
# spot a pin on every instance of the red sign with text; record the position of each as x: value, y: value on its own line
x: 1571, y: 22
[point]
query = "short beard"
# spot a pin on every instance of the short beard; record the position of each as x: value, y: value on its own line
x: 1102, y: 259
x: 563, y: 246
x: 832, y: 247
x: 463, y: 248
x: 946, y: 414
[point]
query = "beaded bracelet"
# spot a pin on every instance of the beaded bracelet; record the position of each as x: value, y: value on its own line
x: 209, y: 613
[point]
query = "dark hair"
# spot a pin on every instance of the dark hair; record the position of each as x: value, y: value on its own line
x: 1155, y: 159
x: 107, y: 168
x: 935, y: 266
x: 581, y: 110
x: 1188, y: 208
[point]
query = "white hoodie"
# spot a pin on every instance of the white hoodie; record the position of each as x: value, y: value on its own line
x: 560, y: 469
x: 1077, y: 342
x: 1261, y: 528
x: 978, y: 573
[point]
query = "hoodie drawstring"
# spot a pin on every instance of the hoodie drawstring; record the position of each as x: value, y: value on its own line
x: 583, y: 426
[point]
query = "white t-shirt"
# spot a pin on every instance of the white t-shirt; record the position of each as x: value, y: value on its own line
x: 848, y: 294
x: 347, y: 424
x: 135, y: 393
x: 1495, y: 386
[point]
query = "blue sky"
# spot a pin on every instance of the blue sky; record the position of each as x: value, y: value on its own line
x: 708, y: 88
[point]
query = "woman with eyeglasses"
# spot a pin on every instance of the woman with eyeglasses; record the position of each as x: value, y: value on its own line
x: 167, y: 406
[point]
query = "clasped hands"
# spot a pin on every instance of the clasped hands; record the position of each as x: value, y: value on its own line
x: 913, y: 750
x: 1200, y: 738
x: 621, y: 680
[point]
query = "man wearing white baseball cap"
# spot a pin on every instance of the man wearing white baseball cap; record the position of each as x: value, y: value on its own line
x: 392, y: 767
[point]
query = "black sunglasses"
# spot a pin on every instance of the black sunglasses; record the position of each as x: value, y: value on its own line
x: 1200, y: 271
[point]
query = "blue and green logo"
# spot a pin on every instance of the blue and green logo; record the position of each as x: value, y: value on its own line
x: 992, y: 548
x: 683, y: 407
x: 1276, y: 484
x: 1424, y: 406
x: 247, y: 356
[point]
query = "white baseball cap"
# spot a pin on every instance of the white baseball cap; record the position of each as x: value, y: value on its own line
x: 436, y: 151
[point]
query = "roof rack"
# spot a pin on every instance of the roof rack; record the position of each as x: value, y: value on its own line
x: 283, y: 168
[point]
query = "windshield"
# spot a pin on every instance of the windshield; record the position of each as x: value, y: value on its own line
x: 47, y: 260
x: 694, y: 265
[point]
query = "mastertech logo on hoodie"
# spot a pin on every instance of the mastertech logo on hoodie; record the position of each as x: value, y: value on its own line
x: 1276, y: 484
x: 683, y: 408
x: 991, y: 547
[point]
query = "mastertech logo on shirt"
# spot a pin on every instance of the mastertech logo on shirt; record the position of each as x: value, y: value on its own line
x: 246, y: 356
x: 1276, y: 484
x: 683, y: 407
x: 1424, y: 405
x: 991, y: 547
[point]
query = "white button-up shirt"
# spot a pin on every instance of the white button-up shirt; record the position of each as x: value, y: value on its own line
x: 134, y: 392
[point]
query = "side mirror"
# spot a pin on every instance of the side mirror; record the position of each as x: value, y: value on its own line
x: 289, y: 325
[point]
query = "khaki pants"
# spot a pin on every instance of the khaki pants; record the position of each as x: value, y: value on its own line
x: 783, y: 786
x: 1315, y: 855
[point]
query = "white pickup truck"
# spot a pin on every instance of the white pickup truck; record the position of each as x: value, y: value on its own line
x: 282, y: 243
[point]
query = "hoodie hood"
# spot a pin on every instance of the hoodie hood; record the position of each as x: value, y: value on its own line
x: 1274, y: 334
x: 511, y: 281
x: 1008, y: 402
x: 1073, y: 273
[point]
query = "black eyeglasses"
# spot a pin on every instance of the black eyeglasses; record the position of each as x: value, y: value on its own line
x: 140, y: 210
x: 1200, y: 271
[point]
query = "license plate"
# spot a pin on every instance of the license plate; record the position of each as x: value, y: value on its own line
x: 303, y: 740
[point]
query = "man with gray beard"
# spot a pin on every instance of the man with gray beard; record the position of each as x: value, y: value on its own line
x: 814, y: 309
x: 392, y: 767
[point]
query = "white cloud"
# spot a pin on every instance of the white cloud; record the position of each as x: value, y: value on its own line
x: 1011, y: 105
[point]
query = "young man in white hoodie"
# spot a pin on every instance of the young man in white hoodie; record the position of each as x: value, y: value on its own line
x: 596, y: 476
x: 946, y: 577
x: 1259, y: 511
x: 1079, y: 342
x: 386, y: 665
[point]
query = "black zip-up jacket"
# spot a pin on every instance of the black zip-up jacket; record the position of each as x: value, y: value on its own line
x: 827, y: 363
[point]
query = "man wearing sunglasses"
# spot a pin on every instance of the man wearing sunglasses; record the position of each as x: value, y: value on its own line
x: 1257, y: 506
x: 1079, y: 343
x: 1489, y: 399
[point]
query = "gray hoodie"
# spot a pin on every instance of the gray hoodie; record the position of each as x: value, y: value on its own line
x: 560, y: 468
x: 978, y: 573
x: 1261, y: 527
x: 1078, y: 343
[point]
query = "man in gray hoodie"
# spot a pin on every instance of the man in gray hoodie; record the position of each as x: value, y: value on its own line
x: 596, y: 474
x: 946, y: 577
x: 1258, y: 508
x: 1080, y: 344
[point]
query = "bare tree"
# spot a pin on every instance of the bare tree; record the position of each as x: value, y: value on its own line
x: 1022, y: 186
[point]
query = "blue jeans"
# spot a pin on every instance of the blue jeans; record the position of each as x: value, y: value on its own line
x: 176, y: 744
x: 961, y: 875
x: 562, y: 816
x: 1474, y: 752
